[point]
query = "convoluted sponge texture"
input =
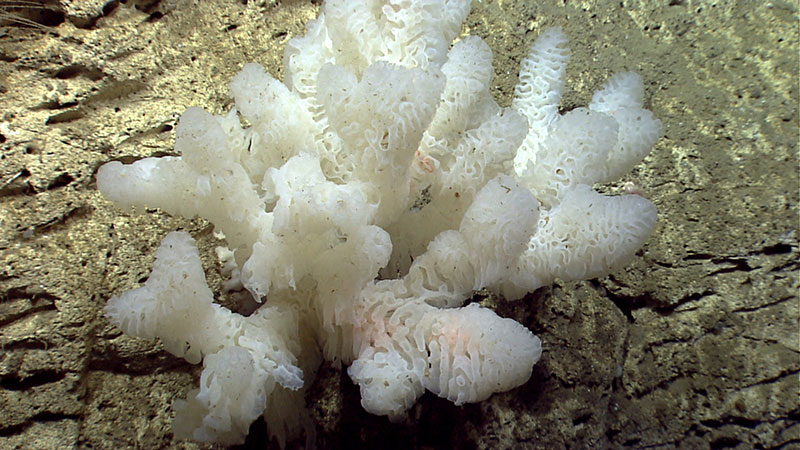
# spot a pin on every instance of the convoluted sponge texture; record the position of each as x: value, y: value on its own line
x: 369, y: 196
x: 474, y: 352
x: 570, y: 247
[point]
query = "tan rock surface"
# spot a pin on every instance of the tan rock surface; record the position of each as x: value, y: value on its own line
x: 694, y: 345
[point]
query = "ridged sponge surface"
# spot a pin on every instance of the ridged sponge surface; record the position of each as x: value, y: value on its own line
x: 364, y: 200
